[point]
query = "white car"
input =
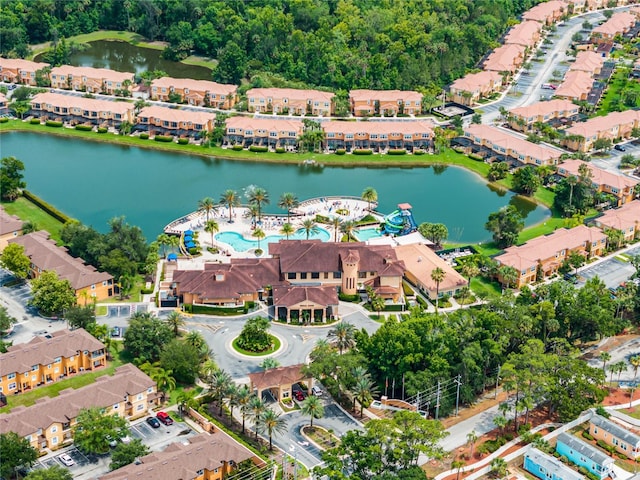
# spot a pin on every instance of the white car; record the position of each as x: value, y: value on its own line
x: 316, y: 391
x: 67, y: 460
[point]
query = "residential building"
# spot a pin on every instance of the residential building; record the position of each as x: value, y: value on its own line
x: 420, y: 261
x: 4, y: 105
x: 553, y: 112
x: 576, y: 6
x: 173, y: 121
x: 378, y: 136
x: 585, y: 455
x: 195, y: 92
x: 85, y: 280
x: 620, y: 186
x: 16, y: 70
x: 507, y: 59
x: 547, y: 467
x: 271, y: 132
x: 588, y: 61
x: 72, y: 109
x: 543, y: 256
x: 575, y: 86
x: 502, y: 145
x: 291, y: 101
x: 619, y: 24
x: 616, y: 125
x: 49, y: 423
x: 546, y: 12
x: 92, y: 80
x: 474, y: 86
x: 201, y: 457
x: 625, y: 219
x: 627, y: 443
x: 45, y: 360
x: 10, y: 227
x: 388, y: 103
x: 279, y: 381
x: 526, y: 34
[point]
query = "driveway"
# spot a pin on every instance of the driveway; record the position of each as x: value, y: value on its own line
x: 611, y: 270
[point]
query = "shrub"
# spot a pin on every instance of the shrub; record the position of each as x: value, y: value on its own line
x: 146, y: 291
x: 400, y: 151
x: 144, y: 136
x: 34, y: 121
x: 4, y: 120
x: 348, y: 298
x: 222, y: 311
x: 183, y: 141
x: 600, y: 410
x: 322, y: 219
x: 508, y: 436
x: 84, y: 128
x: 163, y: 138
x: 362, y: 151
x: 237, y: 148
x: 258, y: 148
x: 50, y: 209
x: 458, y: 149
x: 474, y: 156
x: 51, y: 123
x: 103, y: 129
x: 280, y: 150
x: 408, y: 291
x: 587, y: 435
x: 194, y: 251
x: 341, y: 151
x: 423, y: 303
x: 419, y: 152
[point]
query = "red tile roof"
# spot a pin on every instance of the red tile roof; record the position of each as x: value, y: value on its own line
x: 623, y: 218
x: 90, y: 72
x: 197, y: 85
x: 288, y: 296
x: 576, y: 85
x: 588, y: 61
x: 597, y: 126
x: 176, y: 115
x: 291, y: 94
x: 381, y: 128
x: 264, y: 124
x: 619, y: 22
x: 545, y: 11
x: 9, y: 223
x: 542, y: 109
x: 600, y: 175
x: 382, y: 96
x: 420, y: 260
x: 72, y: 102
x: 19, y: 64
x: 277, y: 376
x: 476, y: 81
x: 524, y: 33
x: 505, y: 58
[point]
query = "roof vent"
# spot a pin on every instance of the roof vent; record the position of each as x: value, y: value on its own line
x: 419, y: 259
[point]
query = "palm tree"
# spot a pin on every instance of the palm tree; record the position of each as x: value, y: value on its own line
x: 348, y: 228
x: 498, y: 467
x: 620, y: 367
x: 370, y: 195
x: 472, y: 437
x: 251, y: 212
x: 605, y: 357
x: 508, y: 274
x: 273, y: 423
x: 232, y: 398
x: 310, y: 227
x: 500, y: 421
x: 259, y: 196
x: 269, y: 364
x: 287, y: 229
x: 219, y: 384
x: 288, y: 201
x: 363, y: 390
x: 207, y: 205
x: 470, y: 270
x: 230, y: 199
x: 256, y: 410
x: 207, y: 369
x: 344, y: 335
x: 163, y: 242
x: 335, y: 223
x: 243, y: 398
x: 312, y: 406
x: 175, y: 321
x: 211, y: 226
x: 196, y: 340
x: 163, y: 379
x: 259, y: 234
x: 635, y: 363
x: 457, y: 465
x: 437, y: 275
x: 572, y: 181
x: 186, y: 399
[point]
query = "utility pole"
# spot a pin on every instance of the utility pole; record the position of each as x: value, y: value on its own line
x: 458, y: 383
x: 438, y: 401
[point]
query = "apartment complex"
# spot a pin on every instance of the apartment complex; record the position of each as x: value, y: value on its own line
x: 552, y: 112
x: 378, y: 136
x: 16, y: 70
x: 547, y: 467
x: 625, y: 219
x: 72, y: 109
x: 195, y: 92
x: 10, y: 227
x: 616, y: 125
x: 175, y: 122
x: 625, y: 442
x: 543, y: 256
x: 45, y: 360
x: 546, y: 12
x: 505, y: 59
x: 272, y: 132
x: 366, y: 103
x: 45, y: 255
x: 92, y: 80
x: 48, y: 424
x: 588, y: 61
x: 474, y: 86
x: 291, y: 101
x: 576, y: 86
x: 526, y: 34
x: 619, y: 24
x: 585, y: 455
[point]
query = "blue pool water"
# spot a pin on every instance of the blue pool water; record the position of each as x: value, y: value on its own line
x: 242, y: 244
x: 368, y: 233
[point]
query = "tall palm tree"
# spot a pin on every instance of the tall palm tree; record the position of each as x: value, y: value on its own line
x: 635, y: 363
x: 163, y: 379
x: 244, y: 397
x: 335, y: 223
x: 175, y: 321
x: 370, y: 195
x: 211, y: 226
x: 207, y: 369
x: 348, y: 227
x: 344, y: 335
x: 273, y: 423
x: 605, y: 357
x: 508, y: 274
x: 230, y: 199
x: 437, y: 275
x: 572, y: 181
x: 207, y: 205
x: 256, y: 410
x: 219, y: 384
x: 163, y: 243
x: 312, y: 406
x: 232, y: 397
x: 251, y: 212
x: 470, y: 270
x: 287, y: 229
x: 363, y: 390
x: 186, y: 399
x: 259, y: 197
x: 259, y: 234
x: 288, y: 201
x: 310, y: 227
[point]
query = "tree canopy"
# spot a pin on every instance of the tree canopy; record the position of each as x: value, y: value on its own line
x: 16, y: 452
x: 11, y: 175
x: 146, y: 337
x: 51, y: 294
x: 94, y: 428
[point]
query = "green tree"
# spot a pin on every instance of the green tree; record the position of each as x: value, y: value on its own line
x: 508, y: 275
x: 437, y: 275
x: 52, y: 295
x: 93, y: 429
x: 313, y: 407
x: 187, y: 399
x: 14, y: 259
x: 343, y: 335
x: 604, y: 357
x: 287, y: 229
x: 243, y: 398
x: 211, y: 226
x: 219, y: 384
x: 254, y: 336
x: 175, y: 321
x: 505, y: 225
x: 163, y: 241
x: 6, y: 321
x: 230, y: 199
x: 231, y: 64
x: 288, y: 201
x: 146, y: 336
x: 498, y: 171
x: 369, y: 195
x: 182, y: 359
x: 55, y: 472
x: 602, y: 144
x: 363, y: 390
x: 208, y: 206
x: 81, y: 316
x: 526, y: 180
x: 273, y: 423
x: 16, y: 452
x: 348, y: 228
x: 310, y: 227
x: 259, y: 197
x: 256, y: 409
x: 126, y: 453
x: 259, y: 234
x: 436, y: 232
x: 498, y: 467
x: 11, y: 175
x: 269, y: 363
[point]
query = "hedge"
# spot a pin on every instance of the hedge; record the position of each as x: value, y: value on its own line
x: 474, y: 156
x: 341, y: 151
x: 587, y: 435
x: 237, y: 148
x: 50, y: 209
x: 144, y: 136
x: 4, y: 120
x: 258, y: 148
x: 163, y: 138
x: 362, y: 151
x: 146, y: 291
x: 103, y: 129
x: 34, y: 121
x: 419, y: 152
x: 222, y: 311
x: 423, y: 303
x: 84, y: 128
x: 183, y: 141
x: 52, y: 123
x: 348, y: 298
x: 280, y: 150
x: 322, y: 219
x: 400, y: 151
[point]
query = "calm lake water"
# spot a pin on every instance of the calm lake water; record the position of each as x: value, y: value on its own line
x: 94, y: 182
x: 124, y: 57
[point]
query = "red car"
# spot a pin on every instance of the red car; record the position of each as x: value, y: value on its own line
x: 299, y: 395
x: 164, y: 418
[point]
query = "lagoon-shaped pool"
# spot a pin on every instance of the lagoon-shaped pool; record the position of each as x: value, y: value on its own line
x: 242, y: 244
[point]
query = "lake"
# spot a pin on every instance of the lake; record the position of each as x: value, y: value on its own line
x: 94, y: 182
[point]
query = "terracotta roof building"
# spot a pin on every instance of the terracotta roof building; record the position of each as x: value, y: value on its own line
x: 195, y: 92
x: 49, y: 423
x: 72, y: 109
x: 46, y: 255
x: 176, y: 122
x: 474, y: 86
x: 10, y: 227
x: 378, y: 136
x: 625, y: 219
x: 289, y: 100
x: 588, y: 61
x: 296, y: 302
x: 279, y: 381
x: 507, y: 58
x: 16, y: 70
x: 619, y: 24
x: 202, y: 457
x: 526, y: 34
x: 366, y: 103
x: 93, y: 80
x: 546, y: 12
x: 616, y: 125
x: 272, y: 132
x: 576, y: 85
x: 523, y: 118
x: 543, y: 256
x: 42, y: 361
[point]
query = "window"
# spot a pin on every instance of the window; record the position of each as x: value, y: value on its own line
x: 200, y: 472
x: 54, y: 441
x: 12, y: 386
x: 595, y: 430
x: 291, y: 275
x: 140, y: 407
x: 150, y: 390
x: 362, y: 274
x: 315, y: 274
x: 11, y: 376
x: 139, y: 397
x: 303, y: 275
x: 57, y: 360
x: 115, y: 406
x: 54, y: 429
x: 337, y: 274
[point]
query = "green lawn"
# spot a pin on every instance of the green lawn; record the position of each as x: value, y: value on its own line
x: 172, y: 396
x: 26, y: 210
x: 618, y: 83
x: 200, y: 61
x: 483, y: 287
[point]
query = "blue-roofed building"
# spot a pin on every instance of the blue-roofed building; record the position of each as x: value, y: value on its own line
x: 547, y: 467
x: 584, y: 455
x: 626, y: 442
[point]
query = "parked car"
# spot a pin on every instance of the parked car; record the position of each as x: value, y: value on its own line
x: 126, y: 439
x: 66, y: 460
x: 153, y: 421
x: 164, y: 418
x: 115, y: 332
x: 316, y: 391
x: 620, y: 148
x: 298, y: 395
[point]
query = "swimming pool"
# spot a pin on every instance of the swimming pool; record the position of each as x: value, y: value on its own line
x: 368, y: 233
x: 242, y: 244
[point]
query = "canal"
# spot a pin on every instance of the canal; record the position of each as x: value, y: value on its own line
x: 94, y: 182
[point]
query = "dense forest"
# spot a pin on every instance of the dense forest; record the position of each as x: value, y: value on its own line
x: 338, y: 44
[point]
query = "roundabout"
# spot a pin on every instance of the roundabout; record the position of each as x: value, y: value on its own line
x: 277, y: 345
